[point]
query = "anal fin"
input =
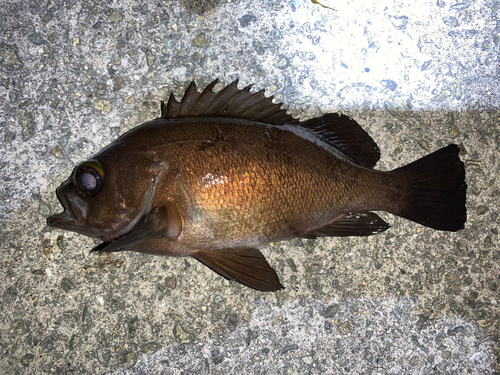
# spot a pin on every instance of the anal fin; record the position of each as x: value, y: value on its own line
x: 353, y: 224
x: 247, y: 266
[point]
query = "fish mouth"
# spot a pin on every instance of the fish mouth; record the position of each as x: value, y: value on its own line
x: 74, y: 214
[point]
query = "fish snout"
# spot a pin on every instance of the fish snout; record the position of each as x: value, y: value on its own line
x: 75, y: 209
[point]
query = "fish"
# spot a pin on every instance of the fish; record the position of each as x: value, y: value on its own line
x: 220, y: 175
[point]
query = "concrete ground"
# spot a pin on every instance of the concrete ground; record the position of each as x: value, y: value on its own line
x: 417, y: 75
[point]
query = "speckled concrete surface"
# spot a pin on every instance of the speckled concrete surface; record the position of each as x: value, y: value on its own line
x: 416, y: 75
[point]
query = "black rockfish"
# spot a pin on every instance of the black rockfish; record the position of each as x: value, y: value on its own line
x: 220, y: 175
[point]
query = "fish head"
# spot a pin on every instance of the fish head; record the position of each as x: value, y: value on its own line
x: 108, y: 196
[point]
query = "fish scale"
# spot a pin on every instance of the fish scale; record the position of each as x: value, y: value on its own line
x: 284, y: 195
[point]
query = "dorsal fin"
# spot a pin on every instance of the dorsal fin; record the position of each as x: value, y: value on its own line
x: 347, y: 136
x: 337, y: 130
x: 230, y: 101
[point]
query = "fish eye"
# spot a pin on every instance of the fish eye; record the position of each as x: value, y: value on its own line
x: 88, y: 177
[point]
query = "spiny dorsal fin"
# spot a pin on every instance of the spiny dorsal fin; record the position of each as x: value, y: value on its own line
x: 230, y: 101
x: 339, y: 131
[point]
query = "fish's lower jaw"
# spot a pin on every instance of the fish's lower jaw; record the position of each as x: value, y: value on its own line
x: 64, y: 220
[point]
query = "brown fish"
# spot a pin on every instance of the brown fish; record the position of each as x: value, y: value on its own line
x: 220, y: 175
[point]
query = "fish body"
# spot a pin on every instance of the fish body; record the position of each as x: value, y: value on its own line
x: 220, y: 175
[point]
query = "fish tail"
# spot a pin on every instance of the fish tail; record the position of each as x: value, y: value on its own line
x: 437, y: 190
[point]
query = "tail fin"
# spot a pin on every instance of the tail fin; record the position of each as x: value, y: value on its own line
x: 437, y: 190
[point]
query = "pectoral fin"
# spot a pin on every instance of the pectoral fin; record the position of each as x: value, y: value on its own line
x: 164, y: 221
x: 247, y: 266
x: 354, y: 224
